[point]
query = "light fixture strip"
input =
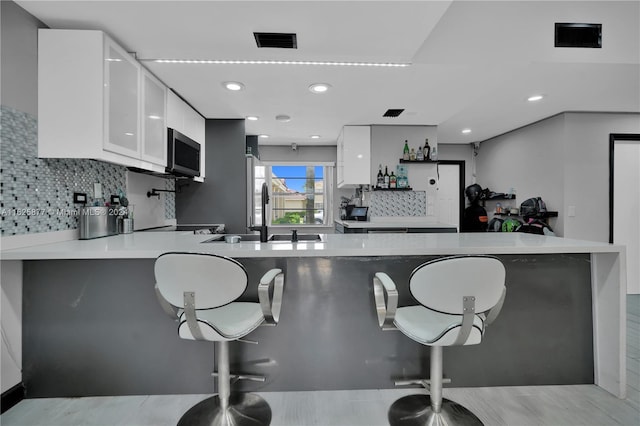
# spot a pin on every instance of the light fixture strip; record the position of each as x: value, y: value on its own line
x: 261, y: 62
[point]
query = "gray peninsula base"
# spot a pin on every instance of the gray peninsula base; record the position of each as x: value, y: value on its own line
x: 94, y: 327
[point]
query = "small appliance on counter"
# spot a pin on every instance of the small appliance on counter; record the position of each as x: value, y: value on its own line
x: 357, y: 213
x: 96, y: 222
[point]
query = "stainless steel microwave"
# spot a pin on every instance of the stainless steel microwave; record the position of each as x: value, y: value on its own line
x: 183, y: 155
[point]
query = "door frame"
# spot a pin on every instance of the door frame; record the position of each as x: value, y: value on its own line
x: 613, y: 137
x: 461, y: 178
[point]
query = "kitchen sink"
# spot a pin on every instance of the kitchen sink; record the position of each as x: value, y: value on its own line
x: 273, y: 238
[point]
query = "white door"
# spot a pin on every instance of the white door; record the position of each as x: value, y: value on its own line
x: 626, y: 207
x: 448, y: 206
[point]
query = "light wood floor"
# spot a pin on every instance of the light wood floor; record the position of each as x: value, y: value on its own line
x: 513, y: 406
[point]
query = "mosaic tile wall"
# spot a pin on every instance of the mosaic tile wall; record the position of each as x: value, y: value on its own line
x: 169, y: 199
x: 36, y: 194
x: 398, y: 203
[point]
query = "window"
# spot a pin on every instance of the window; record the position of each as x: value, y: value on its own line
x: 300, y: 194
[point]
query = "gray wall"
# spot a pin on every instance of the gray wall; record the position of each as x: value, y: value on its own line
x: 565, y: 160
x: 222, y: 196
x: 19, y: 58
x: 586, y: 170
x: 530, y: 160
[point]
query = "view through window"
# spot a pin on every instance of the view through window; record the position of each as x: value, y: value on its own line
x: 298, y: 194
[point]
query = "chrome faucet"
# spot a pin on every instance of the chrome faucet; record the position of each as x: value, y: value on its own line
x: 264, y: 231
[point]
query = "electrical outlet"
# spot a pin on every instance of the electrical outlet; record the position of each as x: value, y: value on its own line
x: 79, y: 198
x: 97, y: 190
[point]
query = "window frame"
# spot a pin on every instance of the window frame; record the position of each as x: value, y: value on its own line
x: 328, y: 186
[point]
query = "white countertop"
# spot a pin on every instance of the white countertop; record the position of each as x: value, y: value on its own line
x: 394, y: 222
x: 146, y: 245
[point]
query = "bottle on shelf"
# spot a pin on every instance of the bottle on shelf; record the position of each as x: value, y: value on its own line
x: 412, y: 155
x: 419, y: 155
x: 380, y: 178
x: 393, y: 182
x: 434, y: 154
x: 405, y: 151
x: 427, y: 150
x: 386, y: 178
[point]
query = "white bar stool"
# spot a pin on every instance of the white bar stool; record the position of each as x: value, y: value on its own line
x: 459, y: 296
x: 200, y: 290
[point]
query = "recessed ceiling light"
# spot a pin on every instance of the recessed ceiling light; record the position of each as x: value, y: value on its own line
x: 252, y: 117
x: 319, y: 87
x: 263, y: 136
x: 466, y: 131
x: 155, y: 117
x: 129, y: 134
x: 315, y: 136
x: 234, y: 86
x: 535, y: 98
x: 283, y: 118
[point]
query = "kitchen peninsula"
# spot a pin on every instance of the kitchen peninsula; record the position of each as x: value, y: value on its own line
x: 92, y: 324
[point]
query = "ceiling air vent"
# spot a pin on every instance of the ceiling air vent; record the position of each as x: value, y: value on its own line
x: 578, y: 35
x: 279, y: 40
x: 393, y: 112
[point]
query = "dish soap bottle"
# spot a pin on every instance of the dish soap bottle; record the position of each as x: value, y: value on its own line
x: 405, y: 151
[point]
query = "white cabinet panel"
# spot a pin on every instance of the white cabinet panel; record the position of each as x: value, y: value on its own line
x: 90, y: 101
x: 354, y: 156
x: 121, y: 98
x: 154, y: 132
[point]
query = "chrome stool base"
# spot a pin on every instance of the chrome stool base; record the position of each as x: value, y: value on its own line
x: 245, y: 409
x: 415, y: 410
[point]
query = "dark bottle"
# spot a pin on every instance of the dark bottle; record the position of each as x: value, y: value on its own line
x: 427, y: 150
x: 380, y: 178
x: 393, y: 182
x: 386, y: 178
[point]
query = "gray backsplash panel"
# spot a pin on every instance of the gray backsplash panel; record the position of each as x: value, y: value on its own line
x: 36, y: 194
x: 398, y: 203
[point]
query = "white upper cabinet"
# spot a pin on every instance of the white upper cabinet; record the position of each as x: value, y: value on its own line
x: 186, y: 120
x: 154, y: 128
x: 95, y: 101
x: 121, y: 101
x: 354, y: 156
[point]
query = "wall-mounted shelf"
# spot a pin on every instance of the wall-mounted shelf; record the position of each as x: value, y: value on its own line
x: 501, y: 197
x: 539, y: 216
x: 498, y: 198
x: 418, y: 162
x: 392, y: 189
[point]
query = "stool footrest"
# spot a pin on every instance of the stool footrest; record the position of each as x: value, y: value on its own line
x: 422, y: 382
x: 236, y: 377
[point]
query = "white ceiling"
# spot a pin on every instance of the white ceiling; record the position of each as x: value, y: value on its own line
x: 474, y: 63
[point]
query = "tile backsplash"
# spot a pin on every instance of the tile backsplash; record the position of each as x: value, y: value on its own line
x: 36, y: 194
x: 398, y: 203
